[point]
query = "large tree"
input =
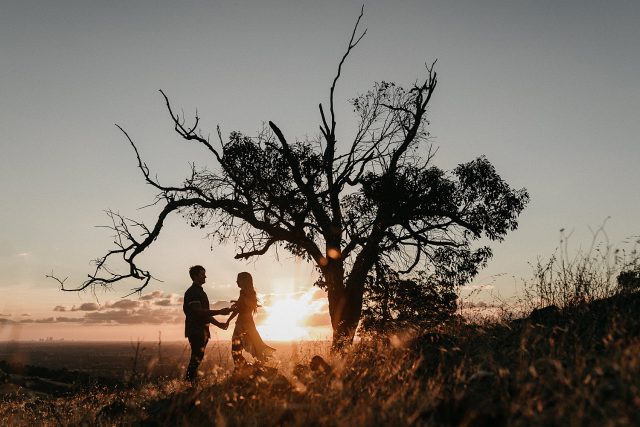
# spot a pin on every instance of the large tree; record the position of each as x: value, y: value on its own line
x: 343, y: 207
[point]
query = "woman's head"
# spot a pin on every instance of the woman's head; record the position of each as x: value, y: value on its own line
x: 245, y: 281
x: 247, y: 293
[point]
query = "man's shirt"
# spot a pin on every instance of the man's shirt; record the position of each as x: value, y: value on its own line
x: 196, y: 310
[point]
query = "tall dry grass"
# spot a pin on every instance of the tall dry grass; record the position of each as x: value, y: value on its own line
x: 577, y: 366
x: 571, y: 277
x: 582, y: 368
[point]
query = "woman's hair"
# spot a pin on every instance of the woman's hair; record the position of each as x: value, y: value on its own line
x: 247, y: 293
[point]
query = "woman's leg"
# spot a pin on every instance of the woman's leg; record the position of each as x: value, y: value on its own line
x: 236, y: 351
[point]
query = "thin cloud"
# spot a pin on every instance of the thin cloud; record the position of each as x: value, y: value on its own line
x: 318, y: 319
x: 153, y: 308
x: 68, y: 320
x: 156, y: 295
x: 151, y: 296
x: 55, y: 320
x: 163, y: 302
x: 154, y: 298
x: 112, y: 317
x: 87, y: 306
x: 318, y: 294
x: 124, y: 304
x: 129, y: 317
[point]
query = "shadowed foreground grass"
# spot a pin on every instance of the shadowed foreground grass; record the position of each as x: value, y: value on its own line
x: 579, y: 366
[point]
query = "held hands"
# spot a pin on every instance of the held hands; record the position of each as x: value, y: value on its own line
x: 223, y: 311
x: 220, y: 325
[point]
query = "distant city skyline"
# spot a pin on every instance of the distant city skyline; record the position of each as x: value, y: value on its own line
x: 547, y: 91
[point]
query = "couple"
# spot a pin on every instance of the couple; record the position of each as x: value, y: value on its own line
x: 198, y: 316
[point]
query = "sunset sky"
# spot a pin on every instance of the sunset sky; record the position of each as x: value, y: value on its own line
x: 547, y: 90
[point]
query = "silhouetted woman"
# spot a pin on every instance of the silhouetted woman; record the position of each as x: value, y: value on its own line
x: 245, y: 335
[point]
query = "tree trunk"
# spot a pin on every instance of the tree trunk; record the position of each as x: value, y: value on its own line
x: 345, y: 331
x: 350, y: 295
x: 339, y: 306
x: 336, y: 295
x: 345, y: 303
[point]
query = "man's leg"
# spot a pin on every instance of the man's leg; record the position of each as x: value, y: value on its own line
x: 198, y: 345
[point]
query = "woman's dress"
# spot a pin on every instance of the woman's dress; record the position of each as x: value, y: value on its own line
x: 247, y: 336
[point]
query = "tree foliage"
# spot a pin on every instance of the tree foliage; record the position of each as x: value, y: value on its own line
x: 629, y: 280
x: 396, y: 303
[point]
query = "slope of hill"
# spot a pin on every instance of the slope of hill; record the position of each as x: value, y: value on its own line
x: 580, y: 366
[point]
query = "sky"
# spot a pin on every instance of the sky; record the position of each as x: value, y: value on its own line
x: 547, y: 90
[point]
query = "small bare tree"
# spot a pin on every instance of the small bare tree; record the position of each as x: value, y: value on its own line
x: 342, y: 207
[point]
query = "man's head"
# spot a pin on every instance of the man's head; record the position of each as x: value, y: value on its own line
x: 198, y: 274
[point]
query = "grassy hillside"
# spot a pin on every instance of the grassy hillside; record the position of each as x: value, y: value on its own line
x: 577, y: 366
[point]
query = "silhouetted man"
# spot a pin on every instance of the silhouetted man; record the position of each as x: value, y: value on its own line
x: 198, y: 316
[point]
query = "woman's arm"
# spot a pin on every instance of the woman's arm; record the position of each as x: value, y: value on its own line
x: 235, y: 310
x: 233, y: 315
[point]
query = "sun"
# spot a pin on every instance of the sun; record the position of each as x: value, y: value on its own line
x: 286, y: 315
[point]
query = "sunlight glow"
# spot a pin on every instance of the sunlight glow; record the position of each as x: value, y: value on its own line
x: 286, y: 315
